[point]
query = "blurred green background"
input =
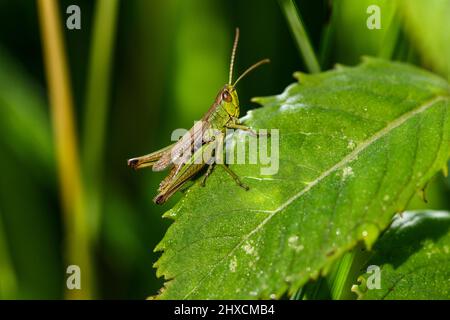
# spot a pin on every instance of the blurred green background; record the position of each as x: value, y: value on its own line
x: 167, y: 61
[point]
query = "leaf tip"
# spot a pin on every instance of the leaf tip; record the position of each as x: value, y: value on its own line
x: 423, y: 195
x: 445, y: 171
x: 258, y: 100
x: 340, y: 67
x: 300, y: 76
x: 369, y: 233
x: 370, y: 60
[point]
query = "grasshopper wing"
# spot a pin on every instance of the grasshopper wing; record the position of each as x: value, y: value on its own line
x: 183, y: 150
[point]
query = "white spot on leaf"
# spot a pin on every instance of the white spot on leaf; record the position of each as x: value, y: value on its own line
x: 351, y: 145
x: 293, y: 240
x: 248, y: 248
x: 293, y: 243
x: 347, y: 172
x: 233, y: 264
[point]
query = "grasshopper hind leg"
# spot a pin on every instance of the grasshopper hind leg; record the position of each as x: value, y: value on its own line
x: 148, y: 160
x: 235, y: 177
x: 139, y: 163
x: 208, y: 172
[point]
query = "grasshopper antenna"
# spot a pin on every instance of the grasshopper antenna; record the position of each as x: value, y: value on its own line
x: 233, y: 55
x: 250, y: 69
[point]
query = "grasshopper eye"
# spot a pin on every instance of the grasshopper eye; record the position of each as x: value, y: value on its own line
x: 226, y: 96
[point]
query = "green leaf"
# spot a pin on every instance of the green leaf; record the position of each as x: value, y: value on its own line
x: 355, y: 145
x: 428, y: 25
x: 413, y: 257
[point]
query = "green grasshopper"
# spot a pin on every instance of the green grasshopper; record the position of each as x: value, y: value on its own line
x: 222, y: 115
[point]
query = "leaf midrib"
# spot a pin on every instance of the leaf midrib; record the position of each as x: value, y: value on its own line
x: 347, y: 159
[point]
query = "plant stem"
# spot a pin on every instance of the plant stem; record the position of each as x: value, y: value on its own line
x: 70, y: 180
x: 296, y: 25
x: 96, y: 104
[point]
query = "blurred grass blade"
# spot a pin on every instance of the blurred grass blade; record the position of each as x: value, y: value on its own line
x: 60, y: 96
x: 350, y: 18
x: 8, y: 283
x: 428, y: 28
x: 339, y: 274
x: 30, y: 236
x: 97, y: 93
x: 337, y: 284
x: 326, y: 43
x: 344, y: 274
x: 295, y: 23
x: 391, y: 38
x: 24, y: 122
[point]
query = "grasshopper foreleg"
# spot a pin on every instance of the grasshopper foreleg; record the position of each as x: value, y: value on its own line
x: 245, y: 128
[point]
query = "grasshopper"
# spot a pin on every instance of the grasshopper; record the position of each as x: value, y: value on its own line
x: 222, y: 115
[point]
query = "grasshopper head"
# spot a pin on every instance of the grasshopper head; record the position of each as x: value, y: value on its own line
x: 229, y: 100
x: 228, y: 97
